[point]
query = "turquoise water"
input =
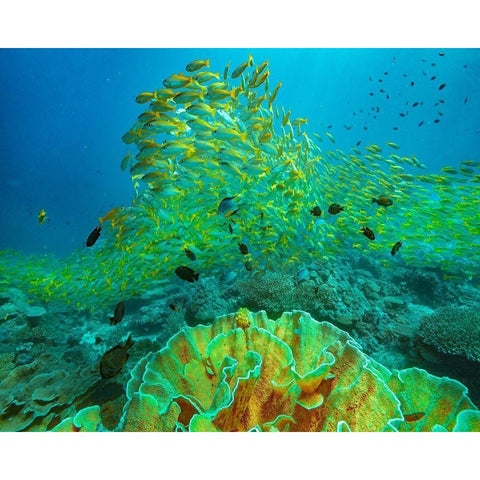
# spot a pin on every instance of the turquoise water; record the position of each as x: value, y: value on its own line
x: 363, y: 124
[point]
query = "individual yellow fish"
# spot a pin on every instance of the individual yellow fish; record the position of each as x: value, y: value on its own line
x: 42, y: 216
x: 197, y: 65
x: 241, y: 68
x: 393, y: 145
x: 144, y: 97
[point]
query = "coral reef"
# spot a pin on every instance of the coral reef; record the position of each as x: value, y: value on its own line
x: 245, y: 372
x: 453, y: 330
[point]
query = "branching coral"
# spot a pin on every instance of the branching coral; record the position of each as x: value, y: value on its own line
x: 453, y: 330
x: 245, y: 372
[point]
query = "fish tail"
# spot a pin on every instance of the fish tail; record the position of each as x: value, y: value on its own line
x: 129, y: 342
x: 196, y: 275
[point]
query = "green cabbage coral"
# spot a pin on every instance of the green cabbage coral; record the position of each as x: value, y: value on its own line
x: 245, y: 372
x: 453, y: 330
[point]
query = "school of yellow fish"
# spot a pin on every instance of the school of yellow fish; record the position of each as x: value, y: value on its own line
x: 216, y: 163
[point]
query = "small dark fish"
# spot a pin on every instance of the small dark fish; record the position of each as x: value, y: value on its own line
x: 442, y: 101
x: 243, y: 248
x: 442, y: 86
x: 385, y: 73
x: 230, y: 229
x: 412, y: 83
x: 368, y: 233
x: 348, y: 127
x: 394, y: 60
x: 405, y: 75
x: 436, y: 104
x: 190, y: 254
x: 248, y: 266
x: 186, y: 273
x: 334, y: 208
x: 173, y: 307
x: 465, y: 66
x: 440, y: 113
x: 380, y: 80
x: 388, y: 96
x: 382, y: 90
x: 433, y: 78
x: 434, y: 64
x: 378, y: 109
x: 98, y: 340
x: 421, y: 123
x: 424, y: 60
x: 395, y: 128
x: 114, y: 360
x: 371, y: 94
x: 118, y: 314
x: 424, y: 73
x: 365, y: 128
x: 383, y: 200
x: 93, y: 237
x: 414, y: 417
x: 396, y: 248
x: 436, y: 120
x: 317, y: 211
x: 465, y: 101
x: 359, y: 142
x: 415, y: 104
x: 370, y: 79
x: 402, y: 114
x: 329, y: 126
x: 441, y: 54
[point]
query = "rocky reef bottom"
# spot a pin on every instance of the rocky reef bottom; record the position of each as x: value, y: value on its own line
x: 400, y: 317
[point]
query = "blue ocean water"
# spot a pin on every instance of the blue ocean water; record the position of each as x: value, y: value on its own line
x: 64, y: 112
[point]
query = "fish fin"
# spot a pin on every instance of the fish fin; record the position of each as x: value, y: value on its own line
x: 129, y: 342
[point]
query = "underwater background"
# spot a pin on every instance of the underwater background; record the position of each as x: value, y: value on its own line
x: 265, y: 210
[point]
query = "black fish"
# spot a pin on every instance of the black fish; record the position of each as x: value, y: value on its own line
x: 365, y: 128
x: 114, y: 360
x: 248, y: 266
x: 433, y: 78
x: 335, y: 208
x: 465, y: 101
x: 412, y: 84
x: 186, y: 273
x: 434, y: 64
x: 442, y: 101
x: 415, y: 104
x: 118, y: 314
x: 402, y: 114
x: 243, y: 248
x: 436, y: 120
x: 368, y: 233
x: 395, y: 128
x: 371, y: 94
x: 230, y: 229
x: 396, y: 248
x: 359, y: 142
x: 441, y: 54
x: 317, y: 211
x: 385, y: 73
x: 388, y: 96
x: 348, y: 127
x: 421, y: 123
x: 173, y: 307
x: 93, y: 237
x: 383, y: 200
x: 442, y: 86
x: 190, y: 254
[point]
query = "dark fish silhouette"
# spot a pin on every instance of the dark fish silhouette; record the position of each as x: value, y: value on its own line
x: 186, y: 273
x: 93, y: 237
x: 368, y: 233
x: 317, y: 211
x: 190, y: 254
x: 396, y: 248
x: 248, y: 266
x: 243, y: 248
x: 114, y: 360
x: 383, y: 200
x: 442, y: 86
x: 335, y: 208
x: 421, y: 123
x: 173, y: 307
x: 118, y: 314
